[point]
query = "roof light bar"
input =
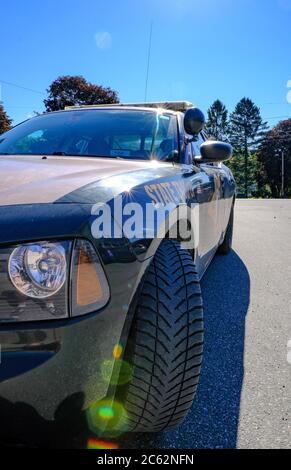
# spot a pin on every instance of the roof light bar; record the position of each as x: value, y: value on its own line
x: 181, y: 106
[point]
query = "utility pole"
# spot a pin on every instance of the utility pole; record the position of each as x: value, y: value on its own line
x: 281, y: 150
x: 246, y: 169
x: 283, y: 173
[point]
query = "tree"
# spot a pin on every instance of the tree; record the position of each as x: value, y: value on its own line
x: 5, y: 121
x: 75, y: 90
x: 246, y: 130
x: 217, y: 124
x: 236, y: 164
x: 276, y: 141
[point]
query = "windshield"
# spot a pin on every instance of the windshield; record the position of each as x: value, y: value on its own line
x: 129, y: 134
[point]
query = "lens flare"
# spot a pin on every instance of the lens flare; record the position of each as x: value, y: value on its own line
x: 117, y: 351
x: 106, y: 412
x: 117, y: 372
x: 107, y: 417
x: 98, y: 444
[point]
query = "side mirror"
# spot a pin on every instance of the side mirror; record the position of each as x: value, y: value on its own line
x: 213, y: 151
x: 194, y: 121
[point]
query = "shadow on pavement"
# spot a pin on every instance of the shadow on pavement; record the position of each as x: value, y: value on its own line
x: 213, y: 419
x: 22, y: 426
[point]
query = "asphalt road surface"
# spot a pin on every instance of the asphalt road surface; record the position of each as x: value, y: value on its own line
x: 244, y: 397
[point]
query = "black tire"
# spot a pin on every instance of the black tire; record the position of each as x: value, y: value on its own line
x: 226, y: 246
x: 166, y: 342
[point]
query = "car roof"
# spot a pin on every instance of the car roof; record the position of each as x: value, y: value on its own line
x: 112, y: 108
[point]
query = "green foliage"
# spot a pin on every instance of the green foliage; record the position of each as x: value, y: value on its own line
x: 237, y: 166
x: 246, y: 131
x: 75, y: 90
x: 5, y: 121
x: 276, y: 141
x: 217, y: 123
x: 246, y: 128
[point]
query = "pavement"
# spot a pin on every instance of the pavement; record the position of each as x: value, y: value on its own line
x: 244, y: 396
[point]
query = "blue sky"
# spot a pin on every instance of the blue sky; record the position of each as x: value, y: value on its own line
x: 201, y: 50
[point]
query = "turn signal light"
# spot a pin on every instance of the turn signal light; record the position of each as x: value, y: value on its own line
x: 90, y: 290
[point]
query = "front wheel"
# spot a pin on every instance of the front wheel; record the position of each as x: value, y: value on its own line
x: 166, y: 343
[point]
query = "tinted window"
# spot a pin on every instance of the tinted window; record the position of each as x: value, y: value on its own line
x: 108, y: 133
x: 196, y: 145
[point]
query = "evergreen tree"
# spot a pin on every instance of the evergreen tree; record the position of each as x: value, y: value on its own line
x: 236, y: 164
x: 247, y: 131
x: 217, y: 124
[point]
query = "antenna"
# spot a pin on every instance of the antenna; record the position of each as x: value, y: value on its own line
x: 148, y: 63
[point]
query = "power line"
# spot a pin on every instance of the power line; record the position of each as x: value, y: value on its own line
x: 277, y: 117
x: 22, y: 87
x: 7, y: 106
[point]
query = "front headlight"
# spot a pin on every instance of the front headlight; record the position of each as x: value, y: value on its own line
x: 38, y: 271
x: 51, y: 279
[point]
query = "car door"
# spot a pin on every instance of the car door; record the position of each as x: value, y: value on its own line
x: 227, y: 193
x: 205, y: 186
x: 211, y: 211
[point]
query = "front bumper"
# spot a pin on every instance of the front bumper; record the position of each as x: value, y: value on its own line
x: 52, y: 372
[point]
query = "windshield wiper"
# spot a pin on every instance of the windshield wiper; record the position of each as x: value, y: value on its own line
x: 59, y: 154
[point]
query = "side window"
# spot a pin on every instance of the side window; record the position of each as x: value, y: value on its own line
x: 166, y: 138
x: 196, y: 145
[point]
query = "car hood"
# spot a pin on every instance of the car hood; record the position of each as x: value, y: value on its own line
x: 37, y: 180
